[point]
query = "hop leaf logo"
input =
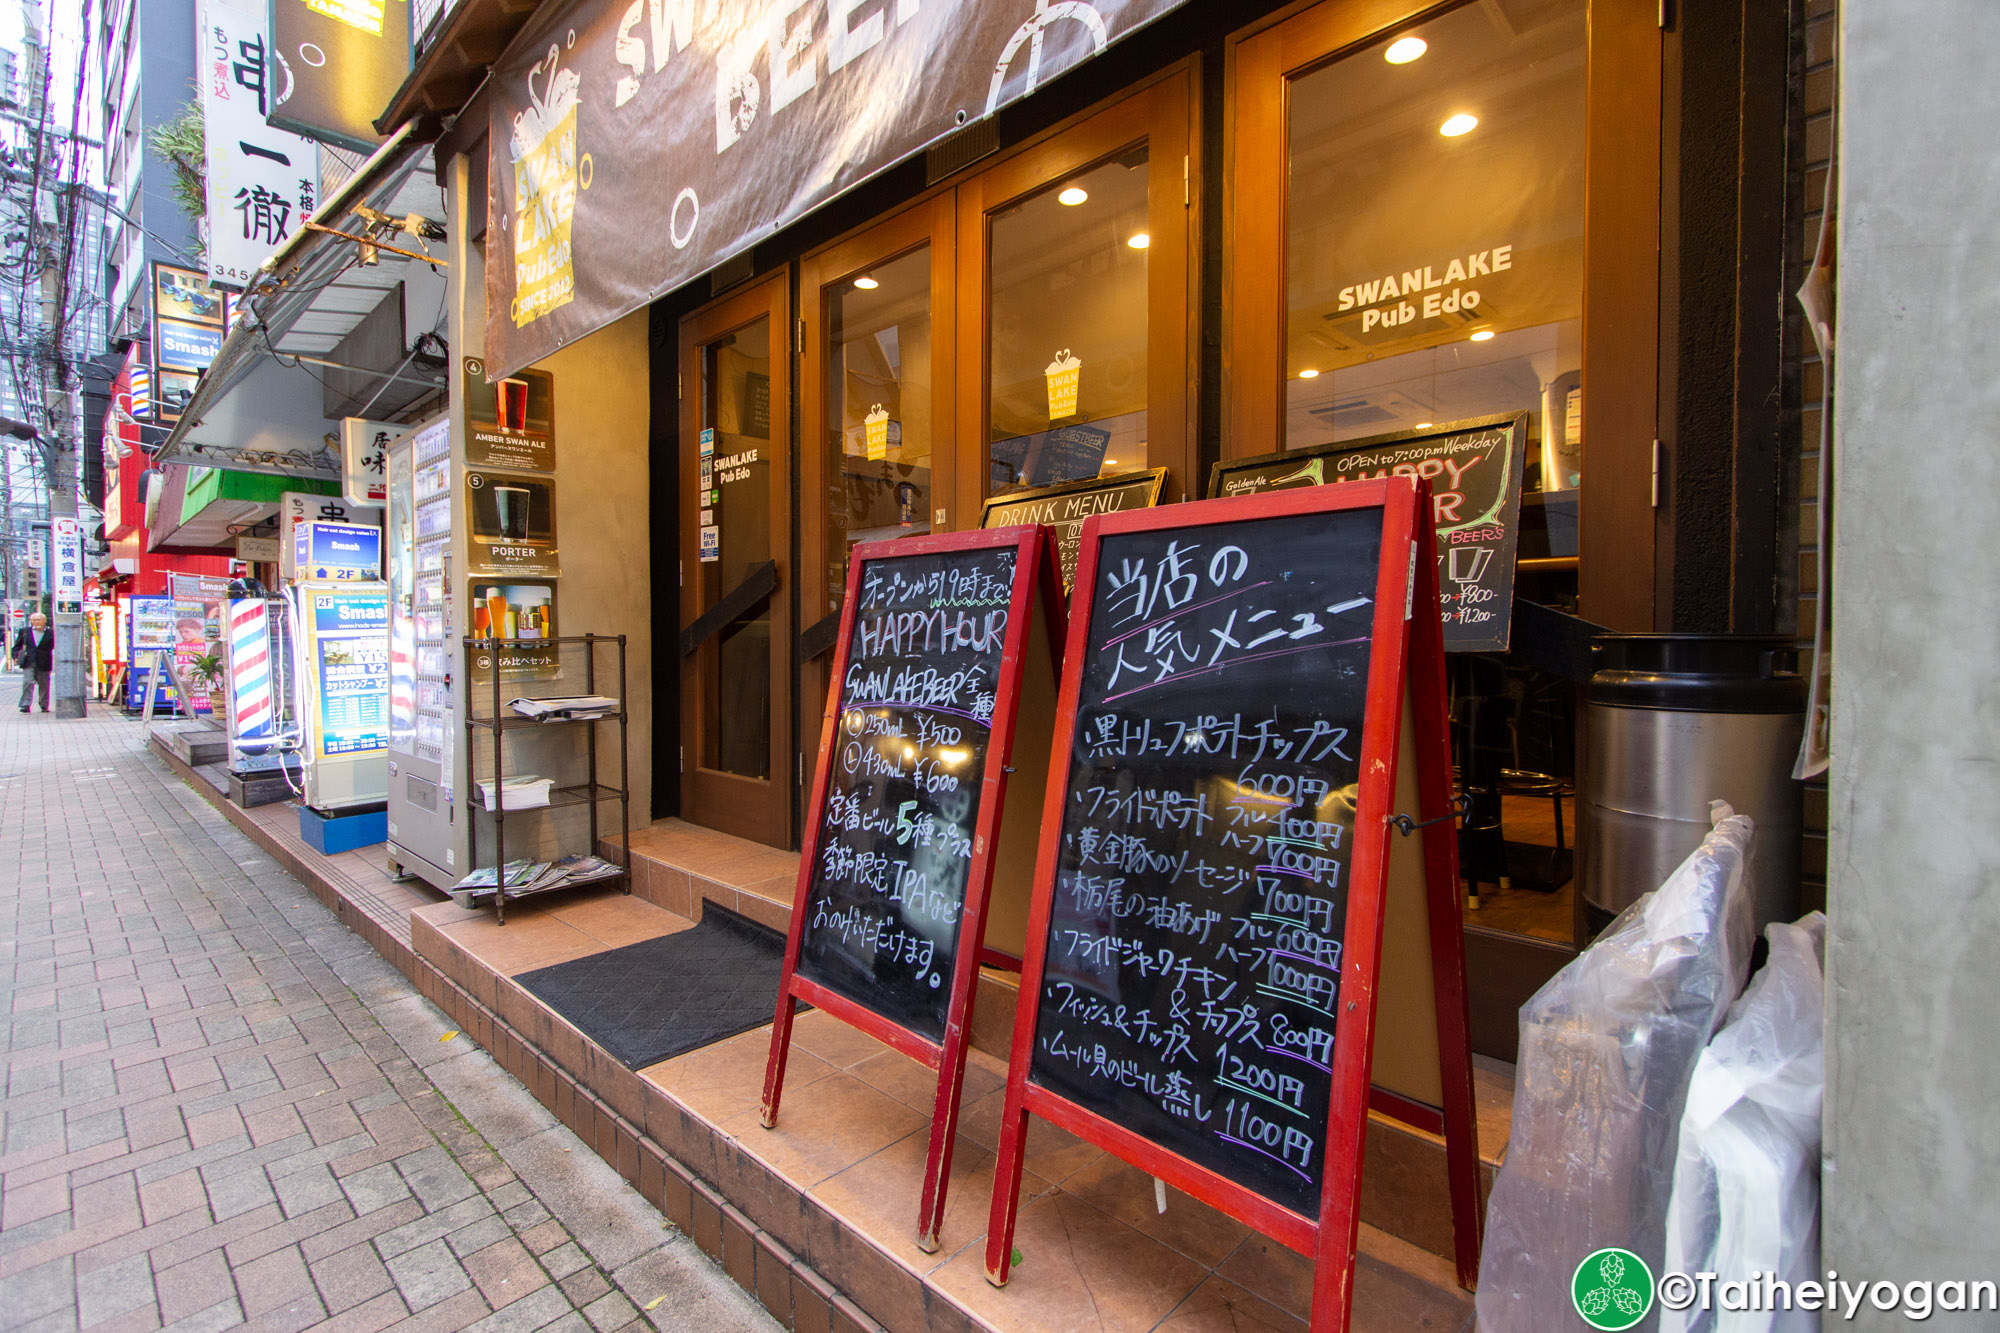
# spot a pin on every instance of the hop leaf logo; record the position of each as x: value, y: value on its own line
x: 1612, y: 1289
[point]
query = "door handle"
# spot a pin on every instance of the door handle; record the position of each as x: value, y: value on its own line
x: 757, y: 585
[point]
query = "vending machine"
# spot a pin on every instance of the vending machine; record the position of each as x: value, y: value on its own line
x: 342, y: 638
x: 424, y: 836
x: 339, y: 612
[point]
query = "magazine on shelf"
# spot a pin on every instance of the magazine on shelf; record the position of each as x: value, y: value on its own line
x: 523, y: 791
x: 523, y: 877
x: 564, y: 707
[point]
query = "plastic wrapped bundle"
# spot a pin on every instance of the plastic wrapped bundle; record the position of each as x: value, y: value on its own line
x: 1746, y: 1187
x: 1607, y: 1049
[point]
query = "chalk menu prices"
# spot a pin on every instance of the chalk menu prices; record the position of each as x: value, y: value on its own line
x: 1196, y: 921
x: 1062, y: 509
x: 1475, y: 469
x: 894, y: 850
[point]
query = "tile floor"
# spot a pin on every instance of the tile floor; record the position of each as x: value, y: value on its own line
x: 1095, y: 1253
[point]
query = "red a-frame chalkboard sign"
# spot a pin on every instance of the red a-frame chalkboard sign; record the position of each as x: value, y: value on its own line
x: 1233, y: 953
x: 948, y: 654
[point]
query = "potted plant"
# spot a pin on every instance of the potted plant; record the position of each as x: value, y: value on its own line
x: 206, y: 672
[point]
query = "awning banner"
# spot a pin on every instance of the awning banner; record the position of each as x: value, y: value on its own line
x: 637, y: 144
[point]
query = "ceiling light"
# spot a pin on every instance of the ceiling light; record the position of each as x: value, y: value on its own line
x: 866, y: 284
x: 1425, y: 425
x: 1484, y: 335
x: 1139, y: 240
x: 1308, y: 374
x: 1073, y: 196
x: 1405, y: 49
x: 1457, y: 125
x: 1111, y: 462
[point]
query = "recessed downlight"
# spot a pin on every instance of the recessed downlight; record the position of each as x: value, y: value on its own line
x: 1458, y: 124
x: 1139, y: 240
x: 1484, y: 335
x: 866, y: 283
x: 1073, y: 196
x: 1308, y: 374
x: 1425, y: 425
x: 1405, y: 49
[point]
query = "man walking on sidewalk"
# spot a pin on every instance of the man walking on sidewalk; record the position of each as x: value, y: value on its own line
x: 34, y: 652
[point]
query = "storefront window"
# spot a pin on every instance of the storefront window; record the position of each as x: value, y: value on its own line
x: 736, y: 407
x: 878, y: 409
x: 1067, y: 304
x: 1435, y: 233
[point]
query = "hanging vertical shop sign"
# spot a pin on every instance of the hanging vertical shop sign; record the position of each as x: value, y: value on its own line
x: 364, y: 455
x: 335, y: 64
x: 262, y: 182
x: 637, y: 145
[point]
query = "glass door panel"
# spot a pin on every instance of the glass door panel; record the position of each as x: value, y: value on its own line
x: 1068, y: 329
x: 735, y: 514
x: 879, y: 423
x: 1075, y: 328
x: 1434, y: 235
x: 876, y: 399
x: 736, y: 421
x: 1422, y: 262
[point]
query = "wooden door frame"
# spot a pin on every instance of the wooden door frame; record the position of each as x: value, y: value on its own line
x: 1160, y: 115
x: 1621, y: 275
x: 757, y: 809
x: 930, y: 221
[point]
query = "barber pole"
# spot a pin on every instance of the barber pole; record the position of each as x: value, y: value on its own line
x: 250, y: 669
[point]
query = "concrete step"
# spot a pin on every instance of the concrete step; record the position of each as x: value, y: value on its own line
x: 193, y: 743
x: 681, y: 867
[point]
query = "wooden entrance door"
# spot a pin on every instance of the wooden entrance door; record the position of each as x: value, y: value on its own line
x: 736, y: 626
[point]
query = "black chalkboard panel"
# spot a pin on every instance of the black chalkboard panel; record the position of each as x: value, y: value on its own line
x: 1198, y: 912
x: 1062, y: 509
x: 888, y: 883
x: 1474, y: 468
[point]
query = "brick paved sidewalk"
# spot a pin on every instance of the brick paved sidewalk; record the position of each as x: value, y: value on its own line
x: 222, y: 1108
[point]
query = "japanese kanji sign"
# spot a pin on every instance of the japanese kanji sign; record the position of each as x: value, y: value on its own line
x: 262, y: 183
x: 364, y: 455
x: 66, y: 564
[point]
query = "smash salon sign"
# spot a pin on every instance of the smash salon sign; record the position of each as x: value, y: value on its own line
x: 647, y: 141
x: 1431, y: 292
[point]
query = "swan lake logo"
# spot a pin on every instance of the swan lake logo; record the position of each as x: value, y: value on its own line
x: 1612, y: 1289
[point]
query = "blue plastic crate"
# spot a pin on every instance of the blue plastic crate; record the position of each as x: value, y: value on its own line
x: 343, y: 831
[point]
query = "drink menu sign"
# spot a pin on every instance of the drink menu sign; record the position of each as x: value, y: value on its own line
x: 1474, y: 468
x: 1201, y: 984
x: 1064, y: 508
x: 891, y: 911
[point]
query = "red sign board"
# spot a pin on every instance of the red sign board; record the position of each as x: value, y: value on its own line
x: 947, y: 658
x: 1235, y: 951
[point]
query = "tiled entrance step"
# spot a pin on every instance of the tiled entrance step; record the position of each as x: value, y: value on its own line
x: 826, y: 1201
x: 679, y: 866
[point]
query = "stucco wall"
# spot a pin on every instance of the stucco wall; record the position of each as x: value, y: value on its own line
x: 1913, y: 1113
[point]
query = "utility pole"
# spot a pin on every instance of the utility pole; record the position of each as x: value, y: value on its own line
x: 50, y: 260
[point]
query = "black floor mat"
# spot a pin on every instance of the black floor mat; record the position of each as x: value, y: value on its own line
x: 663, y: 997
